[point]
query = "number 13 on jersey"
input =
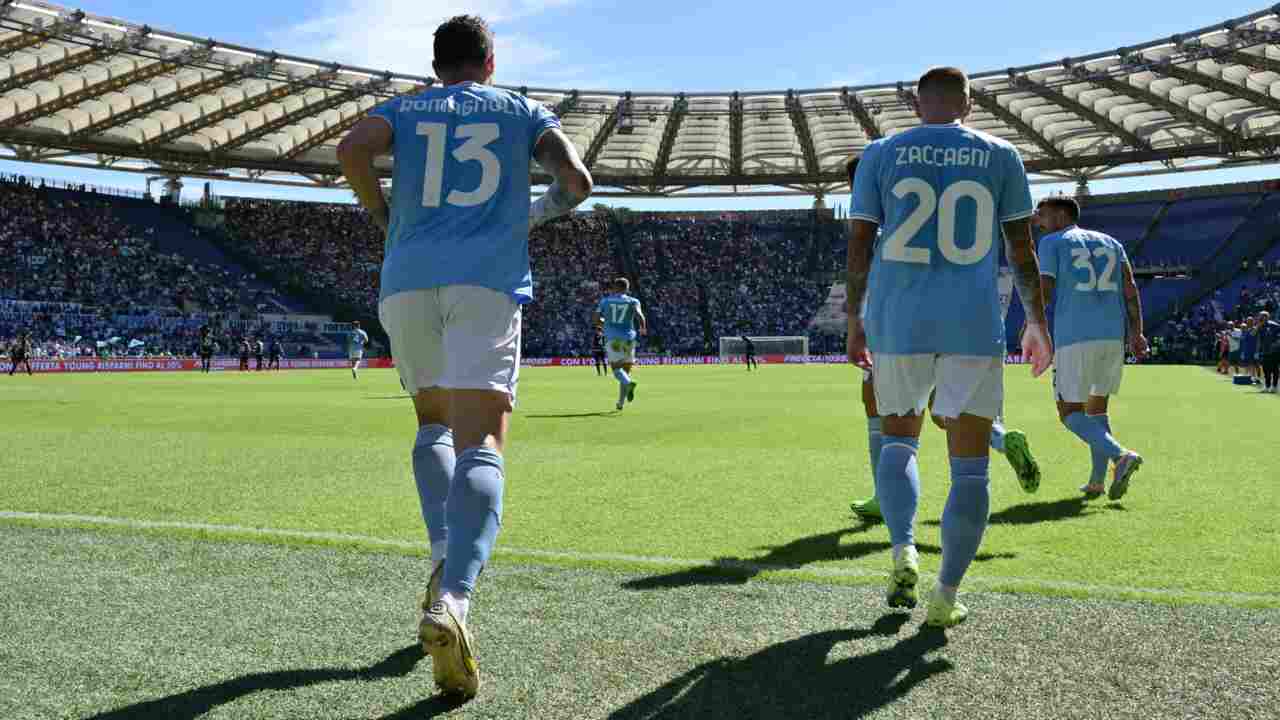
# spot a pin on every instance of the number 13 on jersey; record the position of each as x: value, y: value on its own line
x: 477, y: 137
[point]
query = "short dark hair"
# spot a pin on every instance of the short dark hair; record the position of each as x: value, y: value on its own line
x: 622, y: 284
x: 851, y: 167
x: 463, y: 40
x: 943, y: 81
x: 1065, y: 203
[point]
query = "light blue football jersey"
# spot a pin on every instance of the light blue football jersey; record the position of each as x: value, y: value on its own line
x: 939, y: 194
x: 619, y: 312
x: 357, y: 339
x: 1088, y: 296
x: 460, y: 189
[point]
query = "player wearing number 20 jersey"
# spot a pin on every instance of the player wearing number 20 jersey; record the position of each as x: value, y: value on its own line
x: 949, y: 187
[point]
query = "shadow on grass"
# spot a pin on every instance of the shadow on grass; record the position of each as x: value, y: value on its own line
x: 1052, y: 511
x: 791, y: 556
x: 605, y: 413
x: 793, y: 679
x: 197, y: 702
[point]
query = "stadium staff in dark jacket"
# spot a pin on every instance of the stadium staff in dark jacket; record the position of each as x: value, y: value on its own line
x: 1269, y: 350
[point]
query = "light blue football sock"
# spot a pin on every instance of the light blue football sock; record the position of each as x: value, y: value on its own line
x: 433, y: 463
x: 997, y: 436
x: 1100, y: 462
x: 875, y: 441
x: 964, y: 518
x: 1093, y: 434
x: 898, y: 487
x: 474, y: 511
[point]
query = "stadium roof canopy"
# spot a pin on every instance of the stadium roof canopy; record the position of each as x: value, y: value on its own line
x: 84, y: 90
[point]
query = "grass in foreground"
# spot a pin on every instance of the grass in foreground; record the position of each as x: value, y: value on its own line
x: 710, y: 462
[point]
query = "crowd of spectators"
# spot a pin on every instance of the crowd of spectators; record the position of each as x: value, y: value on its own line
x: 72, y: 268
x: 330, y: 250
x: 1192, y: 336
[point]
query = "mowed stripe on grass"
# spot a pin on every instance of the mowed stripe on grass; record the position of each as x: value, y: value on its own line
x: 753, y: 471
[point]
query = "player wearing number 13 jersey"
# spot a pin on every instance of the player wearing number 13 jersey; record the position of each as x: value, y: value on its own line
x: 942, y: 195
x: 454, y: 278
x: 1089, y: 280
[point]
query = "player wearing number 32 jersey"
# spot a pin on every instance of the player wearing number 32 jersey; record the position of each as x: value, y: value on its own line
x: 455, y: 276
x: 943, y: 196
x: 1095, y: 302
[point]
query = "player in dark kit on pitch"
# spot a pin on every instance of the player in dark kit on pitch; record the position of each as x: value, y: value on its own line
x: 206, y: 348
x: 259, y: 352
x: 273, y: 359
x: 244, y: 354
x: 749, y: 353
x: 597, y: 351
x: 20, y: 353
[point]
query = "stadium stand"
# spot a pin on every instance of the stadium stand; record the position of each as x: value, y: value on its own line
x: 99, y: 266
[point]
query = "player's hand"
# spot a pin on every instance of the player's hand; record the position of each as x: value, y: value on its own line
x: 856, y: 345
x: 1139, y: 347
x: 1037, y: 349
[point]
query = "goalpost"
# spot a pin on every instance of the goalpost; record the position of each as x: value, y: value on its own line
x: 732, y: 348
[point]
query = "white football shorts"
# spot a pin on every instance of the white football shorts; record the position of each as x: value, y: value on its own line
x: 458, y: 337
x: 355, y: 355
x: 1088, y: 368
x: 620, y: 352
x: 966, y: 384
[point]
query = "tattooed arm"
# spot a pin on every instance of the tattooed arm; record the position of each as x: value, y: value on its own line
x: 1021, y: 250
x: 862, y: 238
x: 557, y: 155
x: 1133, y: 309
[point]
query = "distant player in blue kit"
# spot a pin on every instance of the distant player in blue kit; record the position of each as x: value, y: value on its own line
x: 356, y: 340
x: 454, y: 279
x: 620, y: 315
x: 1095, y: 306
x: 941, y: 195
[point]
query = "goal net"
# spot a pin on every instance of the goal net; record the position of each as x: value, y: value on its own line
x: 732, y: 349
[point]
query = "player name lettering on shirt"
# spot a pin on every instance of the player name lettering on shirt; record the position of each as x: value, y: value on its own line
x: 943, y: 156
x: 464, y: 108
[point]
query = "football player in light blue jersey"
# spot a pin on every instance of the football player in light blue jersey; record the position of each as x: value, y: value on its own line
x: 356, y: 340
x: 620, y: 315
x: 1089, y: 283
x: 941, y: 195
x: 1012, y: 444
x: 454, y: 278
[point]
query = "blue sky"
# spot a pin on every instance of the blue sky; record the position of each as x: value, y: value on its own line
x: 667, y: 45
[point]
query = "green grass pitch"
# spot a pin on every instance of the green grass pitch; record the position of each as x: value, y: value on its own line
x: 753, y: 472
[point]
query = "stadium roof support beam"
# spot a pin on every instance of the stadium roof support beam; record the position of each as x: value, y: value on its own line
x: 1057, y: 97
x: 859, y: 112
x: 1224, y: 133
x: 275, y: 94
x: 735, y: 135
x: 290, y: 118
x: 177, y: 96
x: 49, y: 70
x: 1195, y: 77
x: 36, y: 34
x: 567, y: 104
x: 1257, y: 62
x: 993, y: 106
x: 324, y: 136
x: 111, y: 84
x: 606, y: 131
x: 801, y: 124
x: 675, y: 119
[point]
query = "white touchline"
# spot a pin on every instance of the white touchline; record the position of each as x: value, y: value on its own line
x: 986, y: 581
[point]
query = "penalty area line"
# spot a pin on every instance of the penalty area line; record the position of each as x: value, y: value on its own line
x: 978, y: 582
